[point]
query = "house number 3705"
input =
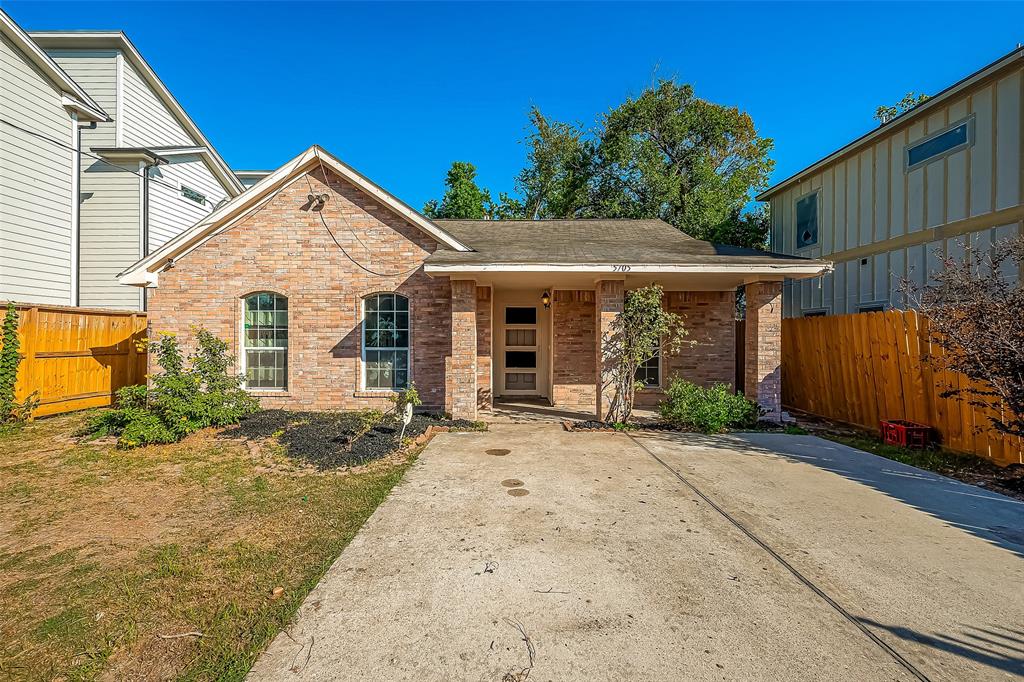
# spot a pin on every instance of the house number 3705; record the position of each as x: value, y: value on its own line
x: 621, y: 268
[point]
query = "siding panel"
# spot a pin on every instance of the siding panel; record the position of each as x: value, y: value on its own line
x: 1007, y: 142
x: 35, y: 176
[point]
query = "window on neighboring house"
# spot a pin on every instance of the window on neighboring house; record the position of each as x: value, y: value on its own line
x: 193, y: 195
x: 385, y: 342
x: 873, y: 307
x: 265, y: 339
x: 820, y: 312
x: 950, y: 140
x: 807, y: 220
x: 649, y: 372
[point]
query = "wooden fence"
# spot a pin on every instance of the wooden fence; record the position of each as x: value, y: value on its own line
x: 76, y: 358
x: 865, y: 367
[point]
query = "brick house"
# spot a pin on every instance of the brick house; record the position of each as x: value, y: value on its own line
x: 333, y: 294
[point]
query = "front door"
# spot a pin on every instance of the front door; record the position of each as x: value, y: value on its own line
x: 522, y: 346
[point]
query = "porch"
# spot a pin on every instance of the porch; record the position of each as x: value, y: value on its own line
x: 526, y: 353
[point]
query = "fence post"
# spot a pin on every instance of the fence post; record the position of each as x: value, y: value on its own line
x: 28, y: 328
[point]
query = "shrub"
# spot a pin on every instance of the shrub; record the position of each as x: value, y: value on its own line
x: 179, y: 400
x: 708, y: 410
x: 10, y: 358
x: 407, y: 396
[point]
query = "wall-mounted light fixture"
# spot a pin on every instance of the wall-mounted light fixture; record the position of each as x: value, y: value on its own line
x: 545, y: 298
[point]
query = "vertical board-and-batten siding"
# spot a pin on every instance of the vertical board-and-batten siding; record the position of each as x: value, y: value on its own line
x: 35, y: 184
x: 869, y: 203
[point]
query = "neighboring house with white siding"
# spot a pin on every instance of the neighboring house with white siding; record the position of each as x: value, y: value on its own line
x: 945, y: 173
x: 41, y: 112
x: 248, y: 178
x: 148, y: 173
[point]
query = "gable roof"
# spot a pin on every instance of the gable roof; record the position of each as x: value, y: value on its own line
x: 72, y: 40
x: 903, y: 120
x: 72, y: 93
x: 146, y: 271
x: 599, y: 245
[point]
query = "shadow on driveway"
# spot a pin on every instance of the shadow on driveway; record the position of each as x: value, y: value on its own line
x: 997, y: 647
x: 993, y: 517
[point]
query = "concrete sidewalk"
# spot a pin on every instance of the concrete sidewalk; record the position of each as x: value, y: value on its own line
x: 608, y: 568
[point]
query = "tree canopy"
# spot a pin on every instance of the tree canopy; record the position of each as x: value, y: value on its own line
x: 463, y: 198
x: 886, y: 113
x: 665, y: 154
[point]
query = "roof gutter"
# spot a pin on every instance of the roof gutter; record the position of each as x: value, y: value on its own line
x: 803, y: 268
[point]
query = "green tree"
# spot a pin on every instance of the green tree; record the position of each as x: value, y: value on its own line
x: 643, y: 326
x: 557, y: 180
x: 463, y: 198
x: 884, y: 113
x: 664, y: 154
x: 671, y: 155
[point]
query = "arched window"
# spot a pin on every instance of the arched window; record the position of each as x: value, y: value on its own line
x: 265, y: 341
x: 385, y: 342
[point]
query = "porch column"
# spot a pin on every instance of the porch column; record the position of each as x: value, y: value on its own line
x: 763, y: 347
x: 460, y: 372
x: 610, y: 298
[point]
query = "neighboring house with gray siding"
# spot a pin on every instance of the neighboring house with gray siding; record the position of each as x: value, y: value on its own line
x: 42, y: 110
x: 148, y: 173
x: 944, y: 174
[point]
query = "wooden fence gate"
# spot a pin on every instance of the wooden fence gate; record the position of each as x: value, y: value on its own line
x: 865, y: 367
x: 76, y: 358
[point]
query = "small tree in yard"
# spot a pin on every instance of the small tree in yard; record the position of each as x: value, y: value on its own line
x: 635, y: 336
x: 975, y: 308
x: 181, y: 399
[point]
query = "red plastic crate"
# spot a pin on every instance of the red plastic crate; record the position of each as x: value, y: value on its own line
x: 905, y: 434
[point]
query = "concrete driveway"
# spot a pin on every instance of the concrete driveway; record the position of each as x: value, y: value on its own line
x: 789, y: 558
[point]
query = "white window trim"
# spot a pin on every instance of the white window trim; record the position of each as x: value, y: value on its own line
x: 243, y: 348
x: 969, y: 120
x: 870, y: 304
x: 796, y: 224
x: 362, y: 346
x: 661, y: 370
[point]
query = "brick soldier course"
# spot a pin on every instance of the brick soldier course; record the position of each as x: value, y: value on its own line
x: 325, y: 237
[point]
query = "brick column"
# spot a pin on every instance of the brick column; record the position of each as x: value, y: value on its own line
x: 763, y: 347
x: 610, y: 297
x: 484, y: 360
x: 460, y: 370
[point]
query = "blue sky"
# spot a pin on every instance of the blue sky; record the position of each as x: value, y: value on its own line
x: 399, y: 91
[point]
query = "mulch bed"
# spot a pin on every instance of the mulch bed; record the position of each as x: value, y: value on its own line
x: 331, y: 440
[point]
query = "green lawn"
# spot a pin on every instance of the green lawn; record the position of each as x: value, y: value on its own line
x: 110, y: 560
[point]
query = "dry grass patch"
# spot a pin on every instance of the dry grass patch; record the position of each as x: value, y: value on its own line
x: 108, y: 557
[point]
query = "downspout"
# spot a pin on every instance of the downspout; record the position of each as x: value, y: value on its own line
x: 145, y: 217
x: 76, y: 211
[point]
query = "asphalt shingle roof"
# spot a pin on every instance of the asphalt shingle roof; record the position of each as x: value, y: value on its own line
x: 598, y: 241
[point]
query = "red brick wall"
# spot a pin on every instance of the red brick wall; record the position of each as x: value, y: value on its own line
x: 574, y: 361
x: 484, y: 359
x: 285, y: 247
x: 763, y: 347
x: 461, y: 390
x: 708, y: 355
